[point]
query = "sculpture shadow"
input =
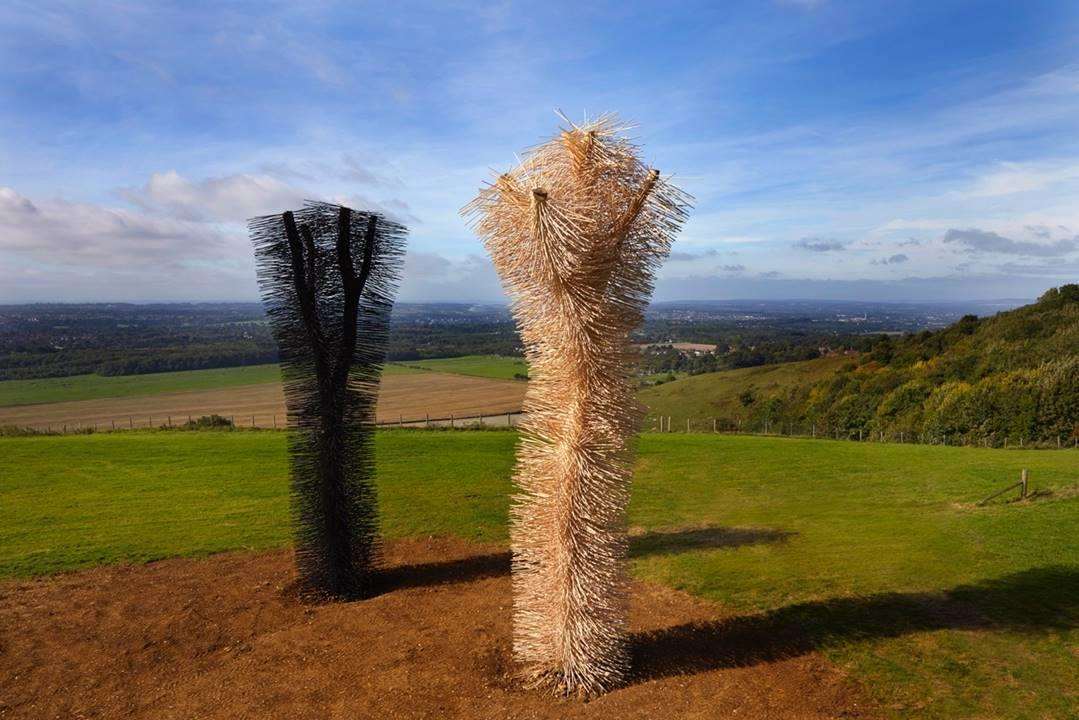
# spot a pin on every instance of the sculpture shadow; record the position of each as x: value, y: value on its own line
x: 488, y: 565
x: 1035, y: 600
x: 467, y: 569
x: 674, y: 542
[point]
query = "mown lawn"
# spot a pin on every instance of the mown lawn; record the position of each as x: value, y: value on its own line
x: 873, y: 553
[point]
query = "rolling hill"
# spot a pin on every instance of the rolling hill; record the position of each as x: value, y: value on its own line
x: 983, y: 380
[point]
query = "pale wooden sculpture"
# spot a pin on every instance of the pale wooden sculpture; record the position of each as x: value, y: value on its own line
x: 576, y: 233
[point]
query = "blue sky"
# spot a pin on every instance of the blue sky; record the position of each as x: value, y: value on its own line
x: 874, y: 150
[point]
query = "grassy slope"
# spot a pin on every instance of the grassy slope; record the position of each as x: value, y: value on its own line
x: 94, y: 387
x: 716, y: 394
x: 877, y: 536
x: 490, y: 366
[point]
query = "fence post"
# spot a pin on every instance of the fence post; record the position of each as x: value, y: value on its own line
x: 859, y: 434
x: 401, y: 420
x: 509, y: 420
x: 1023, y: 481
x: 713, y: 424
x: 275, y: 421
x: 687, y: 426
x: 451, y: 419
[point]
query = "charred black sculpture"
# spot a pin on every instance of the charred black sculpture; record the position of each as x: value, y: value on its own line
x: 328, y: 276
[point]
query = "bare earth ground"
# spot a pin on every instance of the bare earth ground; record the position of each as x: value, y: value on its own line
x: 224, y: 637
x: 410, y: 396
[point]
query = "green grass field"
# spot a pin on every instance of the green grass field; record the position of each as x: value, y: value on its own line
x: 873, y: 553
x: 96, y: 387
x: 715, y: 395
x: 489, y: 366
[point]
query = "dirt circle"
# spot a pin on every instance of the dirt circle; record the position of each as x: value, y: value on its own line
x: 223, y: 638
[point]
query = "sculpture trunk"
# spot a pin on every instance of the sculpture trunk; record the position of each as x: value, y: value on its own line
x: 331, y: 330
x: 576, y: 233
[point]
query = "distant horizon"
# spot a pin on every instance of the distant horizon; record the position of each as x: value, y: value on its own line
x: 505, y: 303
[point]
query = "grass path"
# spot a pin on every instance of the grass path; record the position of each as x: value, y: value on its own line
x: 874, y: 553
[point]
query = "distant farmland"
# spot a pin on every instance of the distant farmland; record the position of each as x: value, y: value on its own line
x: 252, y: 395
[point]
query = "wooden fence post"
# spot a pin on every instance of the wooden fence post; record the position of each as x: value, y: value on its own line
x: 1023, y: 481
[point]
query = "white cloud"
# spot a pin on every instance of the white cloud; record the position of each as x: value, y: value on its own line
x: 976, y: 240
x: 62, y: 233
x: 234, y: 198
x: 1013, y: 178
x: 429, y: 276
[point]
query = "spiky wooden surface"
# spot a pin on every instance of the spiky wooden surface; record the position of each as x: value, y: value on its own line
x: 328, y: 275
x: 576, y: 233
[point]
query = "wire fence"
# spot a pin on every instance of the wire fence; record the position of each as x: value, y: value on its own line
x: 661, y: 424
x: 254, y: 421
x: 725, y: 426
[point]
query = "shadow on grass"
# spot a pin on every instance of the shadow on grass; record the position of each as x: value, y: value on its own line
x: 657, y: 542
x: 673, y: 542
x: 1031, y: 601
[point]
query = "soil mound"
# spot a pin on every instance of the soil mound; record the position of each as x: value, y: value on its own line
x: 224, y: 637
